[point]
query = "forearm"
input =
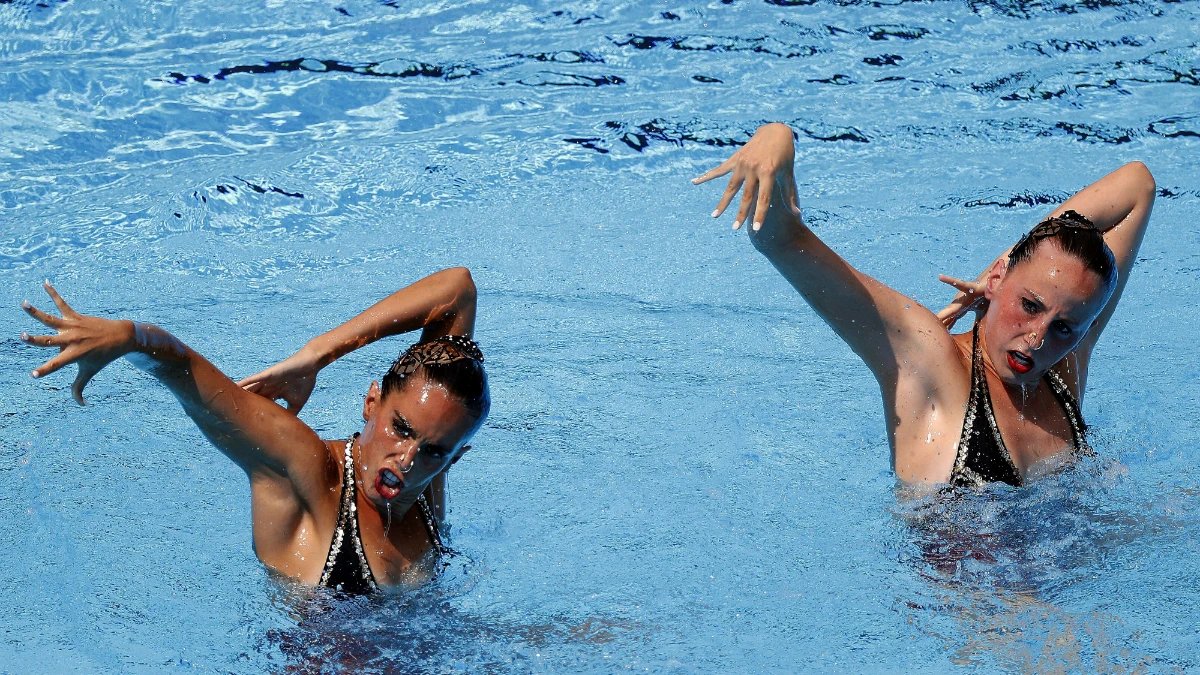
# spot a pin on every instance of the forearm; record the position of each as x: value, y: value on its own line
x: 440, y: 304
x: 1114, y: 199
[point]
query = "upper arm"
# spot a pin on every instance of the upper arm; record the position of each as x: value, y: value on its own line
x: 893, y: 334
x: 1120, y: 204
x: 260, y: 436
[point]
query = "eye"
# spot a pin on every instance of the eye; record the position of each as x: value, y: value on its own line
x: 1061, y: 327
x: 402, y: 430
x: 437, y: 451
x: 1029, y: 306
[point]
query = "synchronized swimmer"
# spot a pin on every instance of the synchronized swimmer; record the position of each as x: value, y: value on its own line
x: 353, y: 514
x: 999, y: 403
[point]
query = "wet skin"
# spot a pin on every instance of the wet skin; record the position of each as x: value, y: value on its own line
x: 1038, y: 312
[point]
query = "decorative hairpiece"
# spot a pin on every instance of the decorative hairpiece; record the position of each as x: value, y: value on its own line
x: 441, y: 351
x: 1068, y: 220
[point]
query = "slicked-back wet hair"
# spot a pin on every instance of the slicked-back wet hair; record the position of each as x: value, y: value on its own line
x: 453, y: 361
x: 1077, y: 237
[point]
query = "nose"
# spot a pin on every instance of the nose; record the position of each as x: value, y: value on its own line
x: 409, y: 458
x: 1036, y: 338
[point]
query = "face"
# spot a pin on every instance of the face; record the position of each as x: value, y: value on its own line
x: 1038, y: 312
x: 409, y: 437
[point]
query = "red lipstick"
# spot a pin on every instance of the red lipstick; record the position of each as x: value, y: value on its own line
x: 388, y: 484
x: 1020, y: 363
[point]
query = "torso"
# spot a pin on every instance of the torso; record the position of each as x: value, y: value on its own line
x: 926, y: 420
x: 300, y: 551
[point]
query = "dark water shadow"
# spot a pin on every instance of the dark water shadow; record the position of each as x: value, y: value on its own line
x: 423, y: 629
x: 1003, y: 569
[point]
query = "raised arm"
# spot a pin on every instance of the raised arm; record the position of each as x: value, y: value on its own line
x: 442, y: 303
x: 258, y: 435
x: 1120, y: 205
x: 886, y: 329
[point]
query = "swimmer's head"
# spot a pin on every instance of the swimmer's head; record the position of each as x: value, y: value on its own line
x: 432, y: 400
x: 1076, y: 236
x: 1043, y: 300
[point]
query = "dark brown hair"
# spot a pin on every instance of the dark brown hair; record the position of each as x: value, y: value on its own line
x: 1076, y: 236
x: 453, y: 361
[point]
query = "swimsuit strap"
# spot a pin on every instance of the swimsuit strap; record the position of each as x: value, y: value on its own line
x: 431, y: 525
x: 1074, y: 415
x: 347, y: 523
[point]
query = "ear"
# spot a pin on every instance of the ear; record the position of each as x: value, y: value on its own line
x: 994, y: 276
x: 458, y: 455
x: 371, y: 405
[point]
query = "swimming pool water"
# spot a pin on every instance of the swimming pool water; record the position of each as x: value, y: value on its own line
x: 684, y: 469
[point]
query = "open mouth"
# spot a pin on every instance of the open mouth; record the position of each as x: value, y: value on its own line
x: 1020, y: 363
x: 388, y: 484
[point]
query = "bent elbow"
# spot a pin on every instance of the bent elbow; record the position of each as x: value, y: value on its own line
x: 1143, y: 178
x: 463, y: 284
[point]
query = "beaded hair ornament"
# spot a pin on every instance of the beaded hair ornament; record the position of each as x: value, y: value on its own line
x: 442, y: 351
x: 1069, y: 220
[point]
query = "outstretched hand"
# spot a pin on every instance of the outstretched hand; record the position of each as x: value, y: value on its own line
x: 756, y: 168
x: 291, y: 380
x: 970, y: 298
x: 89, y: 341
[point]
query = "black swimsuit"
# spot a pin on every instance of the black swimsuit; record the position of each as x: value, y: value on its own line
x: 982, y: 456
x: 346, y: 567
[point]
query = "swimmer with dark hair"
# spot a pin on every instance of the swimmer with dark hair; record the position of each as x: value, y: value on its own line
x: 1001, y: 402
x: 352, y: 515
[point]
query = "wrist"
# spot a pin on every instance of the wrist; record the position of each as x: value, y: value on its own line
x: 319, y: 352
x: 130, y: 336
x: 786, y: 234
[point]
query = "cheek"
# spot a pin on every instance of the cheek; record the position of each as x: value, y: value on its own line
x: 1063, y: 344
x: 1011, y: 316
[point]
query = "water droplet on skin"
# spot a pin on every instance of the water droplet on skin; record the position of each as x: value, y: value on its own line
x: 388, y: 506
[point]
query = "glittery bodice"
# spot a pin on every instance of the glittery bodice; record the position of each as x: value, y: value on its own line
x: 982, y: 456
x: 346, y: 567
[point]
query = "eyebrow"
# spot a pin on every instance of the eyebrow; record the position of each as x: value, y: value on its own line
x: 398, y: 420
x: 1036, y: 296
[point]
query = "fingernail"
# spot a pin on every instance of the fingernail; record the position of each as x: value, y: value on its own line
x: 34, y: 373
x: 46, y: 282
x: 25, y: 336
x: 25, y: 304
x: 695, y: 180
x: 716, y: 212
x: 737, y: 224
x: 757, y: 226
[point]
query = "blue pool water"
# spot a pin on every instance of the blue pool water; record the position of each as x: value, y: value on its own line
x: 684, y: 470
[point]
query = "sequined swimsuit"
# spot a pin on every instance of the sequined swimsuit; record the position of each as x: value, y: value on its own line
x: 982, y: 456
x: 346, y: 567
